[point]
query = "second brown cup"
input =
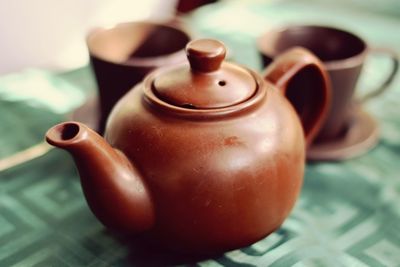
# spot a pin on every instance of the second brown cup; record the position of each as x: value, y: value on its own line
x: 343, y: 54
x: 121, y: 56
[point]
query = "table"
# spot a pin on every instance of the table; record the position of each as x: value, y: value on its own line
x: 348, y: 213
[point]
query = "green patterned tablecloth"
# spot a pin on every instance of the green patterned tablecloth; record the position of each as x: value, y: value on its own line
x: 348, y: 213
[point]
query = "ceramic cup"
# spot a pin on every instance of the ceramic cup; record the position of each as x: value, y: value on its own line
x: 122, y: 55
x: 343, y: 54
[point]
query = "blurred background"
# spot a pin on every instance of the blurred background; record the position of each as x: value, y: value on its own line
x: 50, y: 34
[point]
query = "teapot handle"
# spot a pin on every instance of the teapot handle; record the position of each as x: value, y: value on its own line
x: 303, y: 80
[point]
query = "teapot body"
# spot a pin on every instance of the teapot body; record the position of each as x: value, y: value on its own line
x: 217, y: 183
x: 206, y: 156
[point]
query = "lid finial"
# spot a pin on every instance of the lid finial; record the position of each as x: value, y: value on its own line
x: 205, y: 55
x: 208, y: 83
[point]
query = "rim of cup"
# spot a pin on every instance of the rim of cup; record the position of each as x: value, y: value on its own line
x: 266, y: 44
x: 96, y: 40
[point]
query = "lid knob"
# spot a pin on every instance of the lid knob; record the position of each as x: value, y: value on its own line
x: 208, y: 83
x: 205, y: 55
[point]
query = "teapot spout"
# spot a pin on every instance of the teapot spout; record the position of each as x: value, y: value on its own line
x: 112, y: 186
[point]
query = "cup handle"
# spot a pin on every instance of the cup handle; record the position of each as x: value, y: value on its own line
x: 385, y: 85
x: 315, y: 95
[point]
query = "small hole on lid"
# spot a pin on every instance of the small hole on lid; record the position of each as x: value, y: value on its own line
x: 221, y: 83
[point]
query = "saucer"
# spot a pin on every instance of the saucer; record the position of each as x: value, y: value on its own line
x: 362, y: 135
x: 88, y: 113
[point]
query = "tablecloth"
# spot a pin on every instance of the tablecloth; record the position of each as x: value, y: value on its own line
x: 348, y: 213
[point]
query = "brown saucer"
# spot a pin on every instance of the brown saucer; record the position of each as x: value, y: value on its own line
x: 88, y: 113
x: 362, y: 135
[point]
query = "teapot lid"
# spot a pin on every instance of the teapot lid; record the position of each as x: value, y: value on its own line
x: 208, y: 83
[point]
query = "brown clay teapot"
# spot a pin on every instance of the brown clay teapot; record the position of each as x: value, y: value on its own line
x: 206, y: 158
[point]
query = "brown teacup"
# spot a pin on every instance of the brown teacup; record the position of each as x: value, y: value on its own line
x: 343, y: 54
x: 121, y: 56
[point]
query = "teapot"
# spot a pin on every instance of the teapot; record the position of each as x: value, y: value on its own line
x: 202, y: 157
